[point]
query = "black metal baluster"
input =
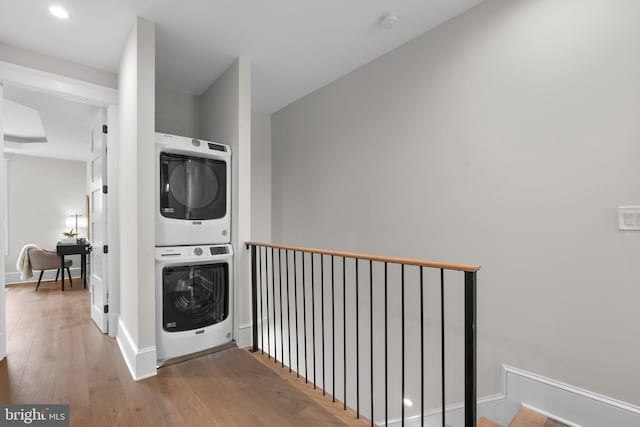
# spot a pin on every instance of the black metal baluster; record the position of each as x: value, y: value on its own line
x: 254, y: 299
x: 344, y: 329
x: 313, y: 321
x: 295, y: 297
x: 386, y: 355
x: 402, y: 290
x: 442, y: 344
x: 371, y: 330
x: 324, y: 384
x: 280, y: 290
x: 266, y: 292
x: 261, y: 302
x: 357, y: 349
x: 470, y: 380
x: 421, y: 348
x: 273, y: 293
x: 333, y: 331
x: 304, y: 321
x: 286, y: 260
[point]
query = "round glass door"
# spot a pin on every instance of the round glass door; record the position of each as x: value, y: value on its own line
x: 192, y: 188
x: 194, y: 296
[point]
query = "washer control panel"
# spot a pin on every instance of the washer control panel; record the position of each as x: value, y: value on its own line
x: 186, y: 253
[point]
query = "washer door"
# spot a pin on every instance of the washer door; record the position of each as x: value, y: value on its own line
x: 194, y: 296
x: 192, y: 188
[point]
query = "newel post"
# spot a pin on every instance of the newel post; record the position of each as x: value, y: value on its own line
x: 470, y: 349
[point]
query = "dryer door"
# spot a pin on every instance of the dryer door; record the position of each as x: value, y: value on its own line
x: 194, y: 296
x: 192, y: 188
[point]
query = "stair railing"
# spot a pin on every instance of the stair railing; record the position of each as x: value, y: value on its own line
x: 281, y: 313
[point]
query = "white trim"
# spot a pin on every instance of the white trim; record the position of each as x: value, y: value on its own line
x: 55, y: 84
x: 141, y: 362
x: 3, y: 225
x: 245, y: 335
x: 13, y: 277
x: 113, y: 319
x: 3, y: 346
x: 98, y: 315
x: 494, y: 407
x: 548, y: 415
x: 572, y: 405
x: 6, y: 207
x: 113, y: 238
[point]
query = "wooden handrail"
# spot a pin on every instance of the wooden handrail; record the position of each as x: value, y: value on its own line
x: 393, y: 260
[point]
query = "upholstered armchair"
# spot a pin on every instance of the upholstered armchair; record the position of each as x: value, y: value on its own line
x: 47, y: 260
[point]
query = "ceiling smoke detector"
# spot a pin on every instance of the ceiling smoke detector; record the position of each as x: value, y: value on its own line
x: 388, y: 21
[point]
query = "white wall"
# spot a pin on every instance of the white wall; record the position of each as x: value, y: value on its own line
x: 225, y: 117
x: 27, y: 58
x: 41, y: 193
x: 506, y: 137
x: 176, y: 112
x: 260, y: 177
x: 136, y: 332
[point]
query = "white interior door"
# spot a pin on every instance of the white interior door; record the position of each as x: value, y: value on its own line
x: 98, y: 223
x: 3, y: 225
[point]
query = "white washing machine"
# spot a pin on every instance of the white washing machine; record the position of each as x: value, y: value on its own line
x: 193, y: 196
x: 194, y: 299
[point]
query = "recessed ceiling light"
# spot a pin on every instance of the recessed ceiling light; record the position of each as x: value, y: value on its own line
x: 59, y: 12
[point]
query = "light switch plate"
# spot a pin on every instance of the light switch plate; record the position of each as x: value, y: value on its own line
x: 629, y: 217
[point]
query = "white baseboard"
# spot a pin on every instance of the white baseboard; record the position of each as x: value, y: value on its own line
x: 113, y: 324
x: 494, y: 407
x: 141, y: 362
x: 569, y: 404
x: 13, y: 277
x: 244, y: 337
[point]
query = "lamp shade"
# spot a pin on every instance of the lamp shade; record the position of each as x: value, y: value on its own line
x: 81, y: 221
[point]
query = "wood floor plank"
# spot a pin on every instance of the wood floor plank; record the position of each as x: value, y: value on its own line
x: 57, y: 355
x: 347, y: 417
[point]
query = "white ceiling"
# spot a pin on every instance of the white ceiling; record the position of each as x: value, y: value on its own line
x: 67, y: 125
x: 296, y: 46
x: 22, y: 122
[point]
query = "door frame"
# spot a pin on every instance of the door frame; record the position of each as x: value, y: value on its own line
x: 86, y: 92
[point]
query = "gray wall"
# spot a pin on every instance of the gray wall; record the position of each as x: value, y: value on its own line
x: 225, y: 117
x: 506, y: 137
x: 260, y: 177
x: 176, y: 112
x: 41, y: 193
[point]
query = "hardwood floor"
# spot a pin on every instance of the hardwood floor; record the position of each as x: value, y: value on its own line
x: 57, y: 355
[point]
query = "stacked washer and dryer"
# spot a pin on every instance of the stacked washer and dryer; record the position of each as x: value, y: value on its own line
x: 194, y: 258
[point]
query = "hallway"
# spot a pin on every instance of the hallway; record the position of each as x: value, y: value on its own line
x: 56, y: 355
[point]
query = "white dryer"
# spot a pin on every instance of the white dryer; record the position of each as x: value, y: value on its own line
x: 193, y: 191
x: 194, y: 299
